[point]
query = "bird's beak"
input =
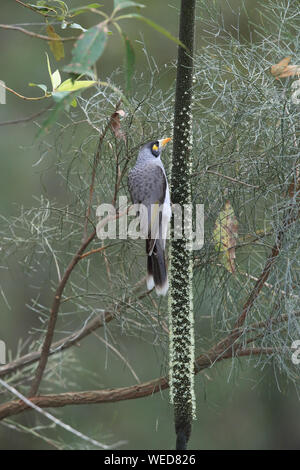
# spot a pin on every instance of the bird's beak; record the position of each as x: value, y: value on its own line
x: 163, y: 142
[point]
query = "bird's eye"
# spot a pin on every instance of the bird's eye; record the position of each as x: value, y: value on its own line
x: 155, y: 149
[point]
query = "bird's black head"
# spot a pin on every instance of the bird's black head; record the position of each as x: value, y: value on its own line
x: 155, y: 148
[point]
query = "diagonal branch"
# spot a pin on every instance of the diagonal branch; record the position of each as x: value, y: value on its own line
x: 58, y: 346
x: 26, y: 119
x: 72, y: 339
x: 53, y: 316
x: 289, y: 219
x: 35, y: 35
x: 58, y: 422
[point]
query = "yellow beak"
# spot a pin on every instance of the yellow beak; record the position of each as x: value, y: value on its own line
x: 163, y: 142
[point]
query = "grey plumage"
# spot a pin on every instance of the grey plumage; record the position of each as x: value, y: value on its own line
x: 149, y: 189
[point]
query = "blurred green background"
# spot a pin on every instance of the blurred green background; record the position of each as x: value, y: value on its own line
x: 244, y: 412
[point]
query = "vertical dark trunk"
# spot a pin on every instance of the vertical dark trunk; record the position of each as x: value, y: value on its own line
x: 181, y: 266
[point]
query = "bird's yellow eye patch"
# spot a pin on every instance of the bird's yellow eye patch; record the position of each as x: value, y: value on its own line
x: 154, y: 147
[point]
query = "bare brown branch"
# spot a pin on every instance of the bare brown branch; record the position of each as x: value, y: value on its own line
x: 125, y: 393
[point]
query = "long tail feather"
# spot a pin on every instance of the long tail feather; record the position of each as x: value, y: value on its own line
x: 157, y: 274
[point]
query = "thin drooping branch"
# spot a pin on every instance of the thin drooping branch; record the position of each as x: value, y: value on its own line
x: 94, y: 170
x: 288, y: 220
x: 229, y: 178
x: 145, y: 389
x: 53, y: 316
x: 26, y: 119
x: 78, y: 256
x: 58, y: 346
x: 26, y: 98
x: 36, y: 35
x: 96, y: 250
x: 75, y: 337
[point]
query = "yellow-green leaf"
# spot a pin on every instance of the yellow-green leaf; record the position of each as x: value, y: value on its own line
x: 69, y: 85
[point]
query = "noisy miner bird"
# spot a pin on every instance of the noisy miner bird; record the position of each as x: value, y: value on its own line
x: 149, y: 189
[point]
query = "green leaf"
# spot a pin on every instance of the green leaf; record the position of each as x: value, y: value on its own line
x: 49, y: 68
x: 56, y: 79
x: 87, y: 50
x: 120, y: 4
x: 63, y: 102
x: 78, y: 10
x: 59, y: 95
x: 40, y: 85
x: 129, y: 61
x: 153, y: 25
x: 43, y: 9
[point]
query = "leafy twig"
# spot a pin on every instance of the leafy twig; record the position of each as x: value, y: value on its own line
x: 46, y: 95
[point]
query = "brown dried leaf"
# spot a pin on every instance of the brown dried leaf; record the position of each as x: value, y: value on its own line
x: 283, y: 69
x: 225, y: 236
x: 57, y: 47
x: 116, y: 124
